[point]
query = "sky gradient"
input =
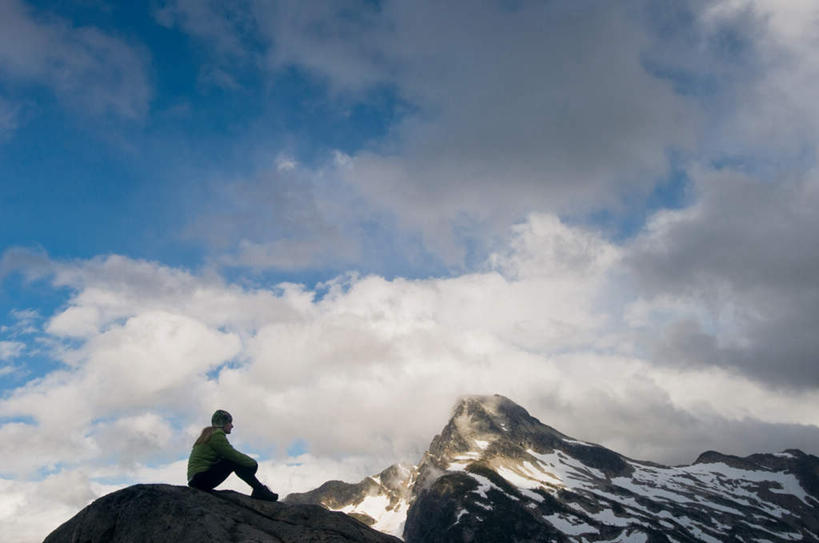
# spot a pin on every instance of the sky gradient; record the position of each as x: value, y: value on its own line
x: 332, y: 219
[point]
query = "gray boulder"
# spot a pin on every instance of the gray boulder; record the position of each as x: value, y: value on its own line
x: 166, y: 513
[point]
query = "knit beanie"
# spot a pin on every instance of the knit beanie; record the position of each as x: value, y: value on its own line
x: 220, y: 418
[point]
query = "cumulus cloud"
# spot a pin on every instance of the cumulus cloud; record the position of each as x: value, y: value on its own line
x: 364, y: 370
x: 775, y: 113
x: 14, y: 341
x: 744, y: 254
x: 10, y: 349
x: 137, y: 364
x: 131, y: 441
x: 522, y: 108
x: 512, y: 109
x: 32, y: 509
x: 32, y: 264
x: 316, y: 364
x: 84, y: 66
x: 748, y: 64
x: 286, y: 216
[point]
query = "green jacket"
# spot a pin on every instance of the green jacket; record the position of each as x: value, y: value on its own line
x: 206, y: 454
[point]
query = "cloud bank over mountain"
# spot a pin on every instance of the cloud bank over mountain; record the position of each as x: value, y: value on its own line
x: 363, y: 367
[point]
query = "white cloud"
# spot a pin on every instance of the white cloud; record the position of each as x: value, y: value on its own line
x: 286, y: 163
x: 120, y: 288
x: 545, y: 247
x: 364, y: 370
x: 154, y: 352
x: 512, y: 110
x: 144, y: 437
x: 740, y: 265
x: 149, y: 361
x: 517, y: 109
x: 760, y: 57
x: 75, y: 322
x: 31, y: 510
x: 31, y: 263
x: 31, y: 448
x: 10, y: 349
x: 521, y: 108
x: 289, y: 254
x: 285, y: 216
x: 84, y: 66
x: 403, y: 349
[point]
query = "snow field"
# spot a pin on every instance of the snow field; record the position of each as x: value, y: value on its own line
x: 388, y: 521
x: 570, y: 525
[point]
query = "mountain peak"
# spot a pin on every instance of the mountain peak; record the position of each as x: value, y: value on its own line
x: 482, y: 423
x: 494, y: 413
x: 490, y: 402
x: 495, y: 473
x: 482, y: 415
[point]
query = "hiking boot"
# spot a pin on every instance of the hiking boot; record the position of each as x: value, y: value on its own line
x: 264, y: 493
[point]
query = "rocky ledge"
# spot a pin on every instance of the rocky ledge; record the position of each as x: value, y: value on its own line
x: 166, y: 513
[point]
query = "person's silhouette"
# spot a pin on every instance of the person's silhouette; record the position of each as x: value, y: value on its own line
x: 213, y: 459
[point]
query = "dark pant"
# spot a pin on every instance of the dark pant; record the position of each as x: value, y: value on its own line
x: 216, y: 474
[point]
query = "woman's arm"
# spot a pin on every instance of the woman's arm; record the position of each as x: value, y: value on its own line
x: 224, y: 449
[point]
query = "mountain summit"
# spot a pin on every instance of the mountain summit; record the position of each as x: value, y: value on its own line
x: 495, y: 473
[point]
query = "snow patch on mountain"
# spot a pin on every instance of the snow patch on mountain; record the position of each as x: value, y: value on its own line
x: 570, y: 525
x: 482, y: 445
x: 389, y: 518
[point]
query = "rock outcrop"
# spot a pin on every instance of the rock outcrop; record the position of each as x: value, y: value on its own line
x: 166, y: 513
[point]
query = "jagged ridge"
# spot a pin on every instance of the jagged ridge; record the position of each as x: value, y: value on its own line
x: 495, y: 473
x: 380, y: 501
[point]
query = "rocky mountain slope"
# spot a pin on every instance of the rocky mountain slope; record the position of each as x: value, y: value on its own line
x: 495, y: 473
x: 176, y: 514
x: 380, y: 501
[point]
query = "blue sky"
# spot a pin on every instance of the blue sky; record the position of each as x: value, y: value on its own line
x: 329, y: 217
x: 68, y: 171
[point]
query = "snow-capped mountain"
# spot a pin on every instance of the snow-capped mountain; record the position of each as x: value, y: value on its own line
x: 380, y: 501
x: 497, y: 474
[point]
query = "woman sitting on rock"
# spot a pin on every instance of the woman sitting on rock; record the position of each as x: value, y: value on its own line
x: 213, y: 459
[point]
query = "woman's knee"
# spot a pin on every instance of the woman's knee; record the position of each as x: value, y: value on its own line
x: 247, y: 470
